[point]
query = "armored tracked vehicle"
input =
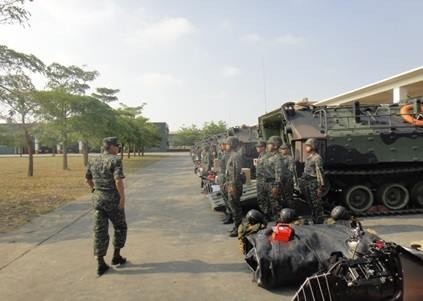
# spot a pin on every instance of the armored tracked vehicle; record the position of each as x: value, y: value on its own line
x: 373, y: 154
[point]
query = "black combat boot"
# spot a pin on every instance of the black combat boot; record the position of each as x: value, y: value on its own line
x: 234, y: 231
x: 117, y: 258
x: 102, y: 266
x: 228, y: 219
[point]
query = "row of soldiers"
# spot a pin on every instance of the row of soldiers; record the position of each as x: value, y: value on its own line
x: 275, y: 174
x: 276, y: 178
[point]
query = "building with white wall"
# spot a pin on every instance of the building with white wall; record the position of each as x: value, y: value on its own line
x: 399, y: 87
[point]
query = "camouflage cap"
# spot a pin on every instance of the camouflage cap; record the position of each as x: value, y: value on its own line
x: 261, y: 143
x: 275, y: 140
x: 111, y: 141
x: 284, y: 146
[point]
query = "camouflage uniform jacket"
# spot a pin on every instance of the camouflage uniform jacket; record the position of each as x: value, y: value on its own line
x: 233, y: 169
x: 313, y: 167
x: 277, y: 165
x: 103, y: 171
x: 268, y: 167
x: 223, y: 160
x: 206, y: 159
x: 247, y: 229
x: 260, y: 167
x: 289, y: 162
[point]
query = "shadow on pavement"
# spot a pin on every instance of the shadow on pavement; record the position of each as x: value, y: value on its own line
x: 190, y: 266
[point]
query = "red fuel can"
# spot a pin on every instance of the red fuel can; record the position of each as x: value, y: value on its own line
x: 282, y: 232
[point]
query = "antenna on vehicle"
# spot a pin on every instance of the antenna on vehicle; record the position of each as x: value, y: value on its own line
x: 264, y: 84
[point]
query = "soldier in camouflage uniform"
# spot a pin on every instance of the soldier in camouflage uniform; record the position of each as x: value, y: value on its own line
x: 104, y: 175
x: 206, y: 159
x: 312, y: 181
x: 233, y: 182
x: 255, y: 221
x: 288, y: 179
x: 262, y: 194
x: 274, y: 175
x: 223, y: 157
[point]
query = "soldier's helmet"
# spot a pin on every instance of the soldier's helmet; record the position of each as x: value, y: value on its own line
x: 261, y: 143
x: 275, y: 140
x: 284, y: 146
x: 287, y: 215
x: 233, y: 142
x: 311, y: 142
x: 254, y: 217
x: 339, y: 213
x: 110, y: 141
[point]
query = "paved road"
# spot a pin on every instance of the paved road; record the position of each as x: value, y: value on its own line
x: 177, y: 248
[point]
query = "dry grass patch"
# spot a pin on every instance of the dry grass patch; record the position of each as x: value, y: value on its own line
x: 22, y: 197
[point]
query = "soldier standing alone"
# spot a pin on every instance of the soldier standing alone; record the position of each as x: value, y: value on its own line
x: 233, y: 182
x: 105, y: 176
x: 312, y: 180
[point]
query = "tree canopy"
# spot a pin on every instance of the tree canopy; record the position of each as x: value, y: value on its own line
x: 189, y: 135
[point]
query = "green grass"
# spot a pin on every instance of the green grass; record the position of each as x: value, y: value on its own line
x: 23, y: 197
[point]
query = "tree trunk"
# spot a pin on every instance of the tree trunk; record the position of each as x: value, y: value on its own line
x: 28, y: 140
x: 65, y: 155
x: 134, y: 151
x: 139, y: 152
x: 85, y: 152
x: 129, y: 151
x: 121, y: 151
x: 53, y: 151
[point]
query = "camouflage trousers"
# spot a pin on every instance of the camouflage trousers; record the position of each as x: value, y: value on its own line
x: 273, y: 201
x: 105, y: 204
x: 101, y: 229
x: 288, y: 193
x: 234, y: 202
x: 309, y: 187
x: 263, y: 197
x: 225, y: 199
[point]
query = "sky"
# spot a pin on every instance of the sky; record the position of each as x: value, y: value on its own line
x: 231, y: 60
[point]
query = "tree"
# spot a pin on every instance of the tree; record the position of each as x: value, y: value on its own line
x: 188, y: 135
x: 213, y: 128
x: 126, y: 126
x: 67, y: 83
x: 106, y: 95
x: 89, y: 109
x: 17, y: 92
x: 58, y: 107
x: 12, y: 11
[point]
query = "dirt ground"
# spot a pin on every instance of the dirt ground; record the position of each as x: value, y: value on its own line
x: 22, y: 197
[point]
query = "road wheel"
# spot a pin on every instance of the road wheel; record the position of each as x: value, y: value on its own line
x: 394, y: 196
x: 359, y: 198
x: 417, y: 194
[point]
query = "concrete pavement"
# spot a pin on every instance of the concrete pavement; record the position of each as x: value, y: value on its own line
x: 177, y: 248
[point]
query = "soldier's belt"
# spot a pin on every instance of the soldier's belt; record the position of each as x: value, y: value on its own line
x: 269, y: 180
